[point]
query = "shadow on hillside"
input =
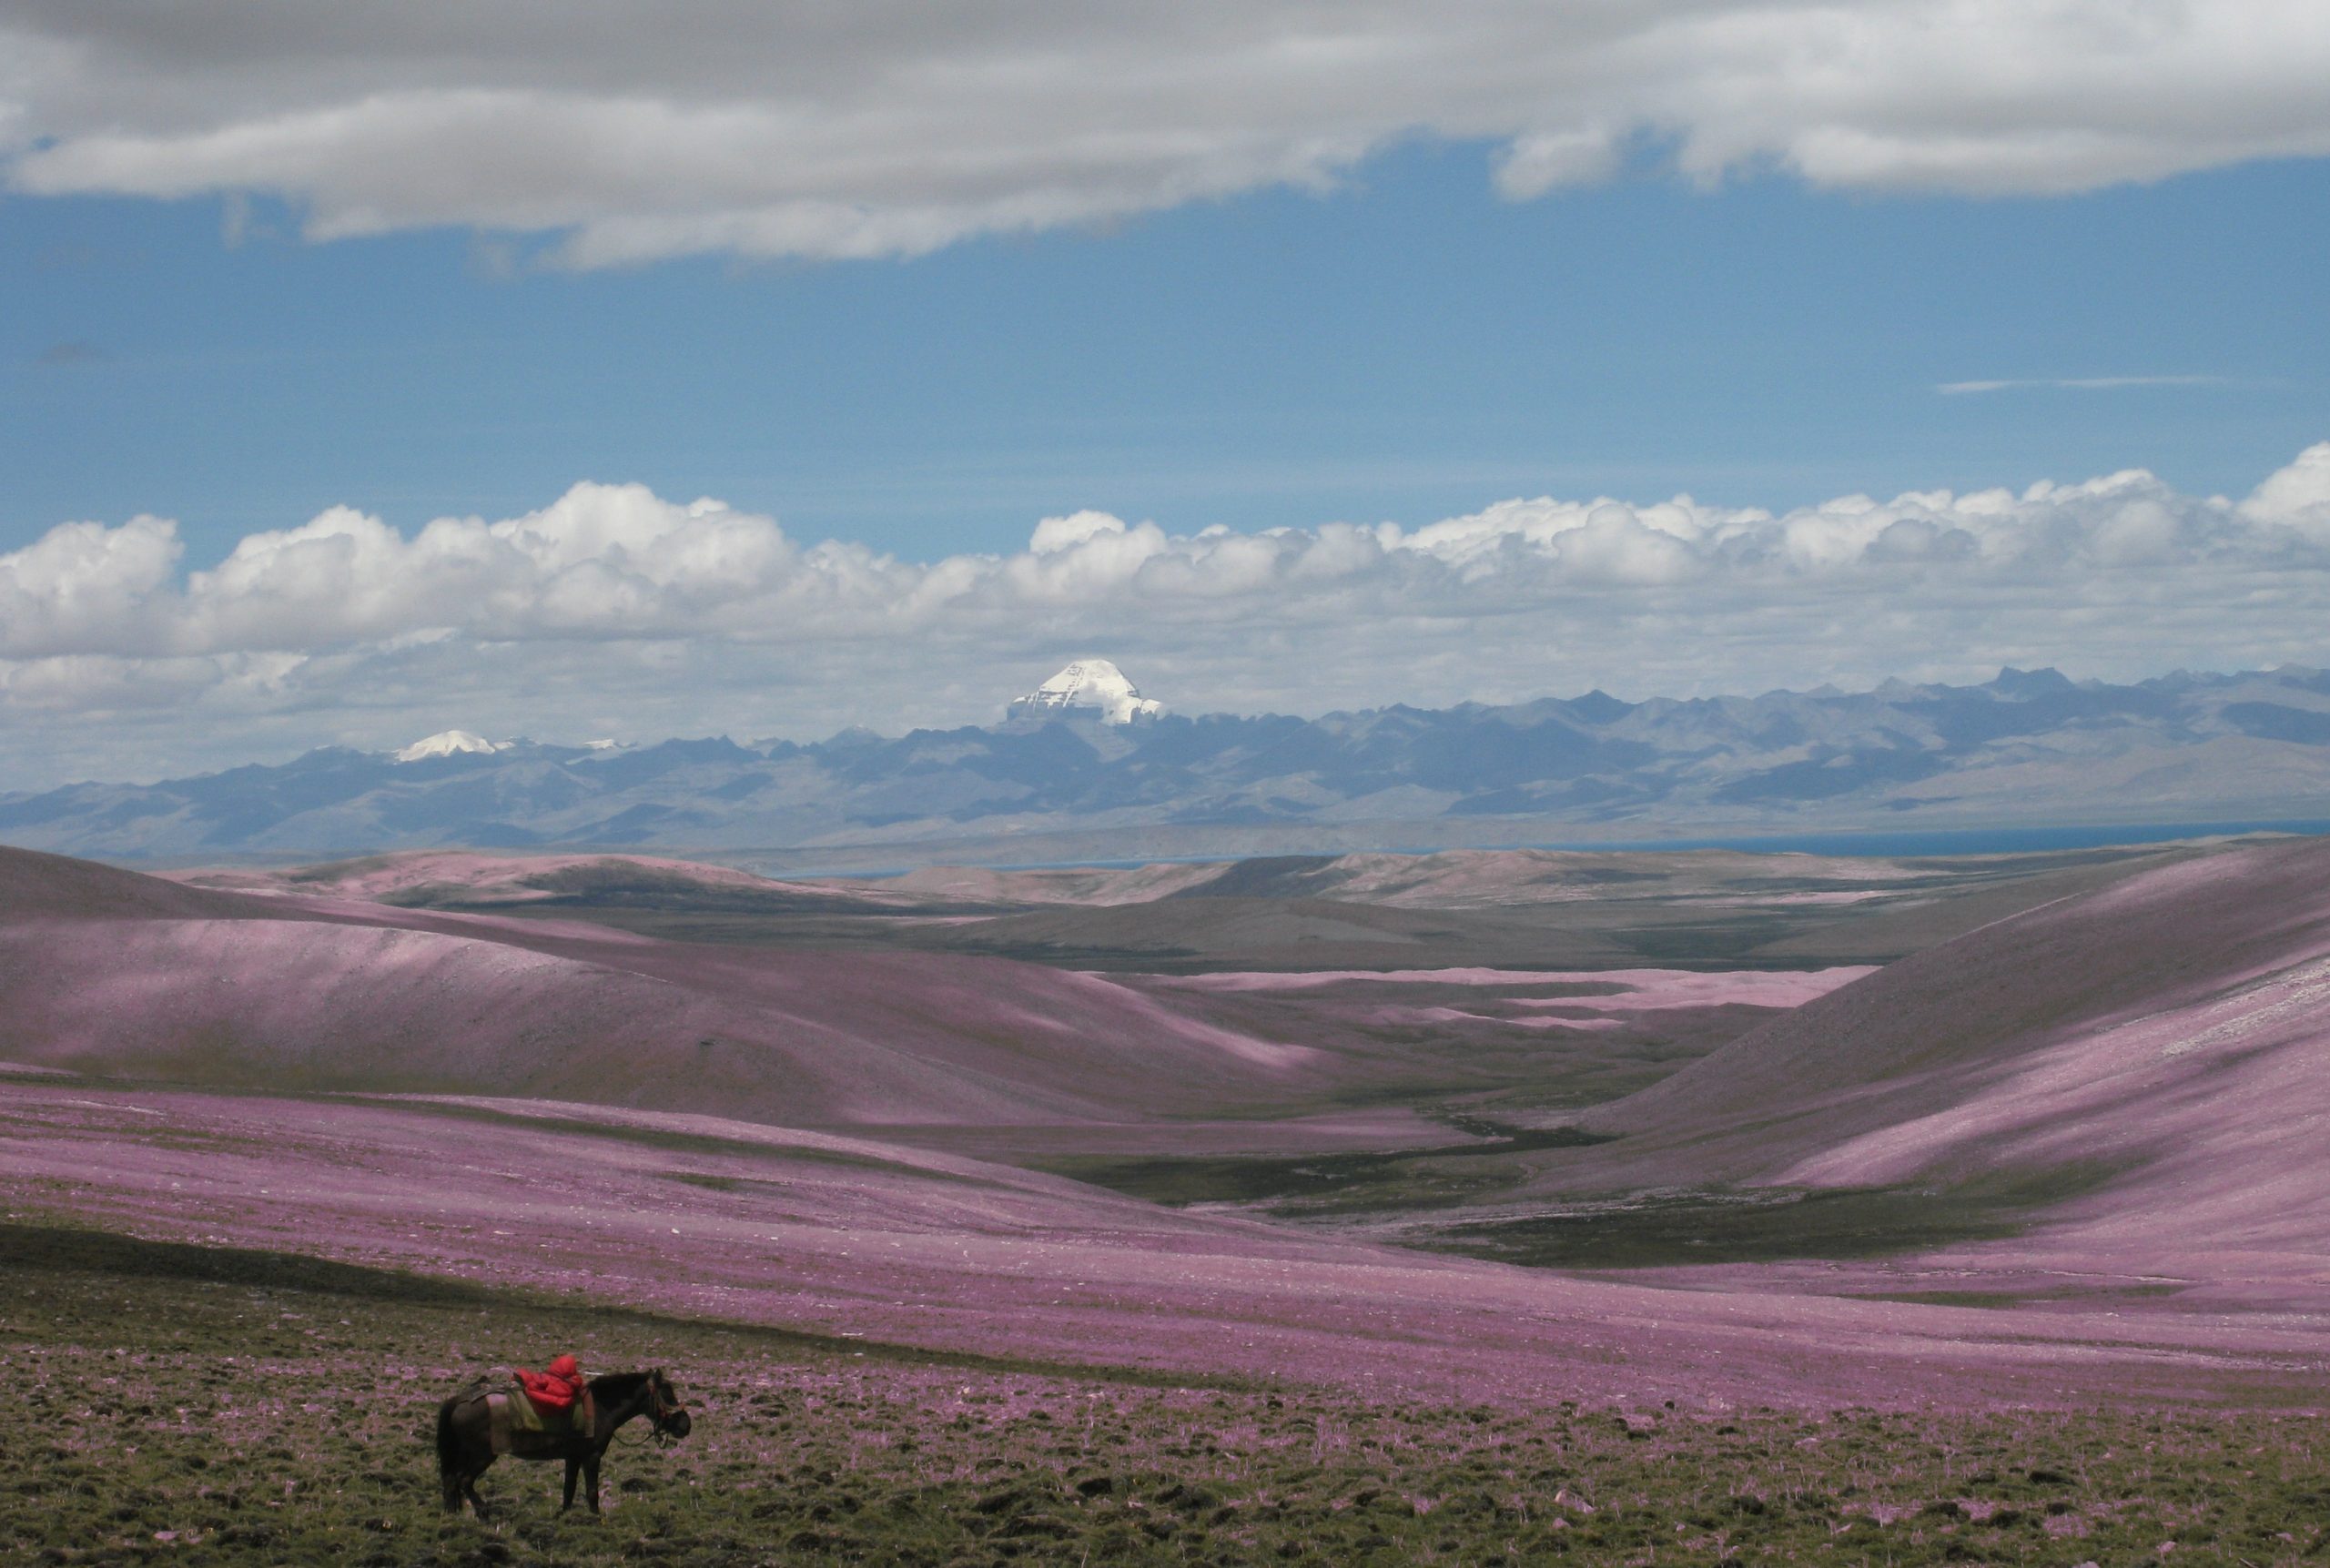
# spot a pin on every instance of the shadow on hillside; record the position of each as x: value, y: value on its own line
x: 1768, y: 1224
x: 56, y: 1249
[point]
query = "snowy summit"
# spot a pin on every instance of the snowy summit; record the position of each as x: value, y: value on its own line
x: 1088, y: 687
x: 446, y: 743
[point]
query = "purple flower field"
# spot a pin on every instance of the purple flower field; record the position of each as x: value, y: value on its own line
x: 2006, y: 1250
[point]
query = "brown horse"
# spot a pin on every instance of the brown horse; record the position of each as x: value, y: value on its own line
x: 465, y: 1436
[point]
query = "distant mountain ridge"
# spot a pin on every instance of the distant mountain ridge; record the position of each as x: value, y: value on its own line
x: 2030, y: 746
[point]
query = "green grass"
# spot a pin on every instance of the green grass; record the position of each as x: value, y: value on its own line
x: 1326, y: 1185
x: 159, y: 1407
x: 1430, y: 1190
x: 1760, y: 1225
x: 1769, y: 1224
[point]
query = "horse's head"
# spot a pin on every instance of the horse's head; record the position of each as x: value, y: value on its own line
x: 664, y: 1410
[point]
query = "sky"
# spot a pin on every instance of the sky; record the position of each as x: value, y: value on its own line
x: 371, y: 371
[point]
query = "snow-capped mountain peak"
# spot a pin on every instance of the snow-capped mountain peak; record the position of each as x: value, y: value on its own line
x: 449, y: 742
x: 1091, y: 686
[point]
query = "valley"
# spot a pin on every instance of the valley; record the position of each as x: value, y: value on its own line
x: 1710, y: 1131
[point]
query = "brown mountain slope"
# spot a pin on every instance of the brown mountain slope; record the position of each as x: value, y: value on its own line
x: 109, y: 972
x: 57, y: 887
x: 2154, y: 1056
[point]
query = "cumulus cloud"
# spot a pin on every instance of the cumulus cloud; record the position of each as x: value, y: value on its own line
x: 2297, y: 498
x: 885, y: 127
x: 84, y: 585
x: 613, y: 608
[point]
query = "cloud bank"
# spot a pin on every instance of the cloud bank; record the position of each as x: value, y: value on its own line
x: 615, y: 610
x: 892, y: 127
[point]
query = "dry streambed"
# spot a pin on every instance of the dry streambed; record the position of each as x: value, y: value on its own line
x: 206, y: 1405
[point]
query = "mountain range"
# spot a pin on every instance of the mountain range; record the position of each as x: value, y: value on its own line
x: 2028, y: 747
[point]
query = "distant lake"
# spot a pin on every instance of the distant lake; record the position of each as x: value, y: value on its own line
x: 1891, y: 845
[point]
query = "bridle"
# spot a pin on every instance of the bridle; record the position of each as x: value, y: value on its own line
x: 659, y: 1418
x: 659, y: 1413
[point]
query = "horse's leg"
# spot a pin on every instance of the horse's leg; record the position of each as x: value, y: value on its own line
x: 574, y: 1472
x: 468, y: 1485
x: 591, y: 1476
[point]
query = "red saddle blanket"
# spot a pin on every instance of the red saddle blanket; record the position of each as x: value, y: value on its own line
x: 547, y: 1391
x: 559, y: 1403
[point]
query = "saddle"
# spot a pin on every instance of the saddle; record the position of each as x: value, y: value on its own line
x: 514, y: 1410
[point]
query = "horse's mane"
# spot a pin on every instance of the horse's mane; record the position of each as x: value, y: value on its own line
x: 621, y: 1385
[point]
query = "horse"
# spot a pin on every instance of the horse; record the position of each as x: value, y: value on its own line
x: 465, y: 1438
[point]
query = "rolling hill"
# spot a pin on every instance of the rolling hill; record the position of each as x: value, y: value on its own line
x: 2145, y: 1068
x: 1469, y: 909
x: 2115, y: 1050
x: 111, y: 972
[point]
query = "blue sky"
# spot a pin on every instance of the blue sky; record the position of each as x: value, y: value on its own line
x: 1406, y: 347
x: 297, y: 283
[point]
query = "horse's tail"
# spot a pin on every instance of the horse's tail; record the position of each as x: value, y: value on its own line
x: 449, y: 1453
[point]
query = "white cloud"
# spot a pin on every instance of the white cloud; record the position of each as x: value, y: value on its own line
x: 2297, y: 498
x: 2079, y: 384
x: 84, y: 585
x: 613, y: 608
x: 886, y: 129
x: 1054, y: 534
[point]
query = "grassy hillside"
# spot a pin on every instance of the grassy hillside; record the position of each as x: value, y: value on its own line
x: 203, y: 1406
